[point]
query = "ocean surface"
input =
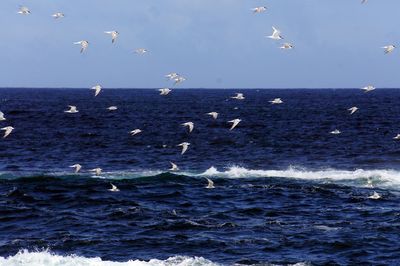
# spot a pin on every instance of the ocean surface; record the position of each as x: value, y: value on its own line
x: 287, y: 192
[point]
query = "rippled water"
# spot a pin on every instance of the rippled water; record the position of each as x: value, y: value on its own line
x: 286, y: 191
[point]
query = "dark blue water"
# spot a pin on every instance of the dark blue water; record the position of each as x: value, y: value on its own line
x: 286, y: 190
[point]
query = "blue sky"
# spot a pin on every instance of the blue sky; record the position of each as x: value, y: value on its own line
x: 213, y: 43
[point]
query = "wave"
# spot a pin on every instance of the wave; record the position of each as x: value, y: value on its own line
x: 46, y: 258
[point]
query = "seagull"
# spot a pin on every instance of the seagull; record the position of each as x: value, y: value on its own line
x: 7, y: 130
x: 72, y: 109
x: 174, y: 167
x: 190, y: 125
x: 84, y: 45
x: 375, y: 195
x: 172, y: 76
x: 141, y: 51
x: 368, y: 88
x: 287, y: 46
x: 335, y: 132
x: 210, y: 183
x: 2, y: 118
x: 276, y: 34
x: 113, y: 188
x: 23, y: 10
x: 112, y: 108
x: 276, y: 101
x: 135, y: 132
x: 397, y: 137
x: 235, y: 123
x: 114, y: 35
x: 179, y: 79
x: 58, y: 15
x: 213, y: 114
x: 77, y: 167
x: 239, y: 96
x: 389, y: 48
x: 164, y: 91
x: 184, y: 146
x: 259, y: 9
x: 97, y: 89
x: 97, y: 171
x: 352, y: 110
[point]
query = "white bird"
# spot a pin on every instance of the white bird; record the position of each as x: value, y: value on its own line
x: 58, y: 15
x: 113, y: 188
x: 23, y: 10
x: 234, y: 122
x: 112, y: 108
x: 190, y: 125
x: 174, y: 167
x: 135, y: 132
x: 375, y: 195
x: 179, y: 79
x: 276, y: 101
x: 7, y: 130
x: 335, y: 132
x: 287, y: 46
x: 368, y: 88
x: 210, y: 183
x: 259, y: 9
x: 77, y: 167
x: 72, y: 109
x: 397, y: 137
x: 97, y: 171
x: 185, y: 146
x: 2, y: 118
x: 213, y: 114
x: 389, y: 48
x: 114, y: 35
x: 84, y: 45
x: 238, y: 96
x: 97, y: 89
x: 276, y: 34
x: 172, y: 75
x: 141, y: 51
x: 164, y: 91
x: 352, y: 110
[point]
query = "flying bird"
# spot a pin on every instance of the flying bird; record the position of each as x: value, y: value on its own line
x: 213, y: 114
x: 164, y: 91
x: 389, y: 48
x: 84, y: 45
x: 352, y: 110
x: 77, y: 167
x: 238, y: 96
x: 287, y: 46
x: 7, y: 130
x: 72, y: 109
x: 172, y: 76
x: 185, y: 146
x: 2, y: 118
x: 113, y: 188
x: 234, y: 122
x: 258, y: 10
x: 174, y: 167
x: 97, y: 89
x: 368, y: 88
x: 114, y: 35
x: 210, y: 184
x: 276, y: 34
x: 58, y: 15
x: 276, y: 101
x: 179, y: 79
x: 97, y: 171
x: 397, y: 137
x: 141, y: 51
x: 112, y: 108
x: 23, y: 10
x: 135, y: 132
x: 190, y: 125
x: 335, y: 132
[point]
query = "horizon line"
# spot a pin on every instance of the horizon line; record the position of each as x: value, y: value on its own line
x: 199, y: 88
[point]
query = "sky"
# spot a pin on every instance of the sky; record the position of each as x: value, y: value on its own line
x: 213, y: 43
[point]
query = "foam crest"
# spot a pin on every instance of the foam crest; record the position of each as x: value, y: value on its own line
x: 25, y: 258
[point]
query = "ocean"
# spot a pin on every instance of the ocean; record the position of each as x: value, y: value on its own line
x: 287, y: 192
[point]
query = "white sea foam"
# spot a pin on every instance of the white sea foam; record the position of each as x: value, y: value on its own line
x: 380, y: 178
x: 46, y: 258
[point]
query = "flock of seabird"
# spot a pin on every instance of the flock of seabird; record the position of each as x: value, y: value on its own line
x: 176, y: 79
